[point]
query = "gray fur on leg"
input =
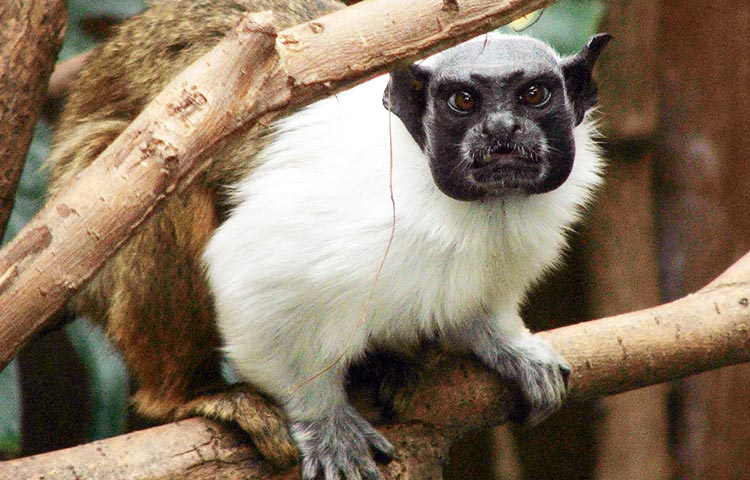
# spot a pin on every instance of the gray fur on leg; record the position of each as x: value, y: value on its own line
x: 340, y: 446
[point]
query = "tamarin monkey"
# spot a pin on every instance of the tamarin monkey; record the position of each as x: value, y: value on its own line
x: 286, y: 256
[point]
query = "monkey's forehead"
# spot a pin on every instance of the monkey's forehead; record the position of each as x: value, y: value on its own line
x: 493, y: 51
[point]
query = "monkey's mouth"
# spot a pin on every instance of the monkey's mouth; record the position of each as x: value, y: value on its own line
x: 507, y: 167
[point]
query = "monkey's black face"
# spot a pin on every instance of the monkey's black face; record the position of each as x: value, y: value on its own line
x: 496, y: 116
x: 488, y: 134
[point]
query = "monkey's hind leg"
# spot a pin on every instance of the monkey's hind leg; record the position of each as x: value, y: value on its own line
x: 160, y: 315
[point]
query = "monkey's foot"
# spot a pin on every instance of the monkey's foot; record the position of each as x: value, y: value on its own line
x: 258, y: 416
x: 541, y: 375
x: 340, y: 447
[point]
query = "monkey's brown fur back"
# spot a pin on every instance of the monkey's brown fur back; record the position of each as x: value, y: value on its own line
x: 152, y: 296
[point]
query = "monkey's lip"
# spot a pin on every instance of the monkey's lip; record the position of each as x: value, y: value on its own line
x: 511, y: 160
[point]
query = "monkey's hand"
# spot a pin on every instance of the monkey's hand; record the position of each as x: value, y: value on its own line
x: 539, y: 374
x: 340, y: 446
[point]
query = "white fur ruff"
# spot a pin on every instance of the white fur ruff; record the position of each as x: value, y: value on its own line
x: 293, y: 266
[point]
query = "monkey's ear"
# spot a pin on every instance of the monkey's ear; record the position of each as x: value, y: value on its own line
x: 406, y: 96
x: 577, y: 69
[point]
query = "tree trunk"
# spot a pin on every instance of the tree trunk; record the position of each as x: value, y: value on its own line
x: 621, y: 249
x: 31, y: 34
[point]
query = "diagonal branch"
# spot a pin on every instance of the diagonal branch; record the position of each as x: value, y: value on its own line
x: 703, y: 331
x: 165, y: 148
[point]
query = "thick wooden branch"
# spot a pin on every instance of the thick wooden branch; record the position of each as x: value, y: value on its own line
x: 164, y: 149
x: 200, y: 449
x: 703, y: 331
x: 31, y: 34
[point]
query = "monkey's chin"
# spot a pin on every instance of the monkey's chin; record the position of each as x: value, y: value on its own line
x: 468, y: 189
x: 509, y: 176
x: 471, y: 191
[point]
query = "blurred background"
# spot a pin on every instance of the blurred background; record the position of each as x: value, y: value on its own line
x: 673, y: 215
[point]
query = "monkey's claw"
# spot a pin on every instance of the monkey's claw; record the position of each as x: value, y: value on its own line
x: 340, y: 447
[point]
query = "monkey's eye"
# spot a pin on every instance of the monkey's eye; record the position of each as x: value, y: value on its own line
x: 535, y: 95
x: 462, y: 102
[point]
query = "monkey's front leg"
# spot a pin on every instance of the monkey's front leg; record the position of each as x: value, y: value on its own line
x: 307, y: 380
x: 504, y: 344
x: 336, y: 443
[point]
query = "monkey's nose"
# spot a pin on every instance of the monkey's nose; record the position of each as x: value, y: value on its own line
x: 501, y: 126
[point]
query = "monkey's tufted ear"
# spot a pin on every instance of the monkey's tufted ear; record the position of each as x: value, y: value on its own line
x: 406, y: 96
x: 577, y: 69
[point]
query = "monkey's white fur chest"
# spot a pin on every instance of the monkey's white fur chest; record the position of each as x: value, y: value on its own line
x: 293, y: 267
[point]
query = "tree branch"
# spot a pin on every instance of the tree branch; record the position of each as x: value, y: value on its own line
x: 703, y: 331
x: 165, y: 147
x: 31, y: 34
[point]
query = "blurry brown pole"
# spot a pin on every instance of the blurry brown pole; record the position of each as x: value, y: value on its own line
x: 704, y: 192
x: 620, y: 245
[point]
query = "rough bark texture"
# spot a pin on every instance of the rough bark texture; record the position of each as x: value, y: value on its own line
x: 160, y: 153
x: 31, y: 34
x: 702, y: 331
x: 704, y: 175
x: 200, y: 449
